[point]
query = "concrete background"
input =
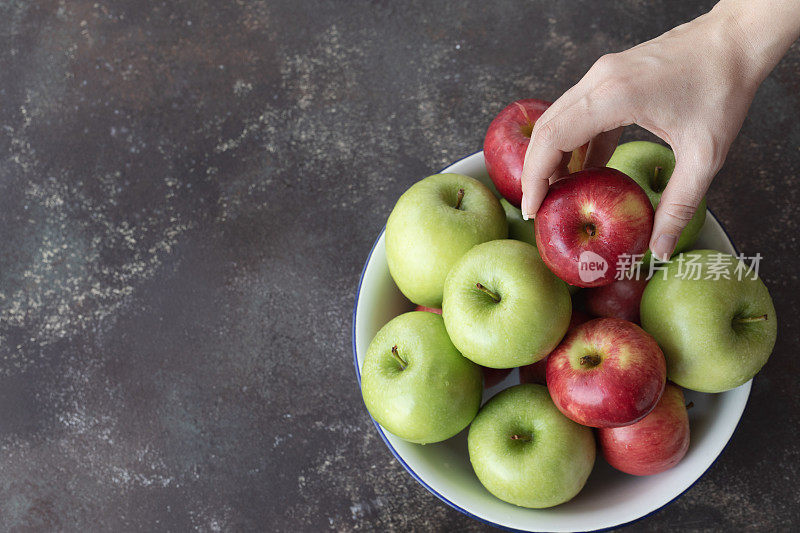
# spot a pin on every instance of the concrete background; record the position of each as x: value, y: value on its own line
x: 188, y: 190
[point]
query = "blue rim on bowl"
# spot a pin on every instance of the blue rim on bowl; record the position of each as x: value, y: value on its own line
x: 431, y: 489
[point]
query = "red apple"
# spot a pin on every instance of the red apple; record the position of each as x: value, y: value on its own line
x: 620, y: 299
x: 607, y: 372
x: 655, y: 443
x: 589, y: 222
x: 428, y: 309
x: 536, y: 372
x: 507, y: 141
x: 491, y: 376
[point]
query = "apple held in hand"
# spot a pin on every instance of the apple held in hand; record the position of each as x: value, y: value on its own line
x: 434, y: 223
x: 525, y: 452
x: 619, y: 299
x: 589, y: 220
x: 716, y: 333
x: 507, y: 141
x: 606, y: 373
x: 502, y: 307
x: 653, y: 444
x: 537, y: 372
x: 416, y: 384
x: 650, y: 165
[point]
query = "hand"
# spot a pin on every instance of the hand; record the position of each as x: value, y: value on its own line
x: 692, y: 87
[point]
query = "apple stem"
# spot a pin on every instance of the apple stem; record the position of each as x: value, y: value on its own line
x: 523, y: 438
x: 590, y: 229
x: 689, y: 405
x: 459, y: 197
x: 748, y: 319
x: 493, y: 295
x: 528, y: 128
x: 656, y: 186
x: 399, y: 359
x: 590, y: 360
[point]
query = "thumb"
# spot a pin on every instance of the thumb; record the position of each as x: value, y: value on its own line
x: 684, y: 192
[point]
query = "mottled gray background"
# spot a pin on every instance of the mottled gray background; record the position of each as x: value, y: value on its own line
x: 188, y: 190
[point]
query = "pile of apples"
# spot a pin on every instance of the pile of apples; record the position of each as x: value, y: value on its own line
x: 496, y: 292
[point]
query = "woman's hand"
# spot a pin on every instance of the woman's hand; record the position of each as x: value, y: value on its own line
x: 692, y: 87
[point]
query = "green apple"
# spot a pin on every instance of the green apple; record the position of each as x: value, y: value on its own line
x: 651, y: 165
x: 523, y: 230
x: 518, y: 228
x: 434, y: 223
x: 525, y: 452
x: 416, y: 384
x: 503, y: 307
x: 716, y: 334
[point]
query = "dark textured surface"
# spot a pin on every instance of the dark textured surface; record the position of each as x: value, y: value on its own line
x: 188, y: 191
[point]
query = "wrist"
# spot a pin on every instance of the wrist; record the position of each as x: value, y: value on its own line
x: 759, y: 32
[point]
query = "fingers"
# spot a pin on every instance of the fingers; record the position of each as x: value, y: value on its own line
x: 562, y: 169
x: 685, y: 189
x: 601, y: 148
x: 594, y: 112
x: 534, y: 191
x: 536, y: 180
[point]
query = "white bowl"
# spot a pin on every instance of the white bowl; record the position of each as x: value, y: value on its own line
x: 610, y: 498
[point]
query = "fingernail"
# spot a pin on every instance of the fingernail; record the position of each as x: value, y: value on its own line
x: 527, y: 212
x: 664, y: 246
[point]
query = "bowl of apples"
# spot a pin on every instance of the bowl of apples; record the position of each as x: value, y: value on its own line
x: 517, y: 380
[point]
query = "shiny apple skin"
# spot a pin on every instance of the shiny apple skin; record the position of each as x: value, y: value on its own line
x: 654, y: 444
x: 507, y: 141
x: 614, y: 205
x: 491, y: 376
x: 618, y: 391
x: 537, y: 372
x: 619, y: 299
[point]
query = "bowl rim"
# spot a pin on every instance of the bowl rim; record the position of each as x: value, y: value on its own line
x: 433, y: 491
